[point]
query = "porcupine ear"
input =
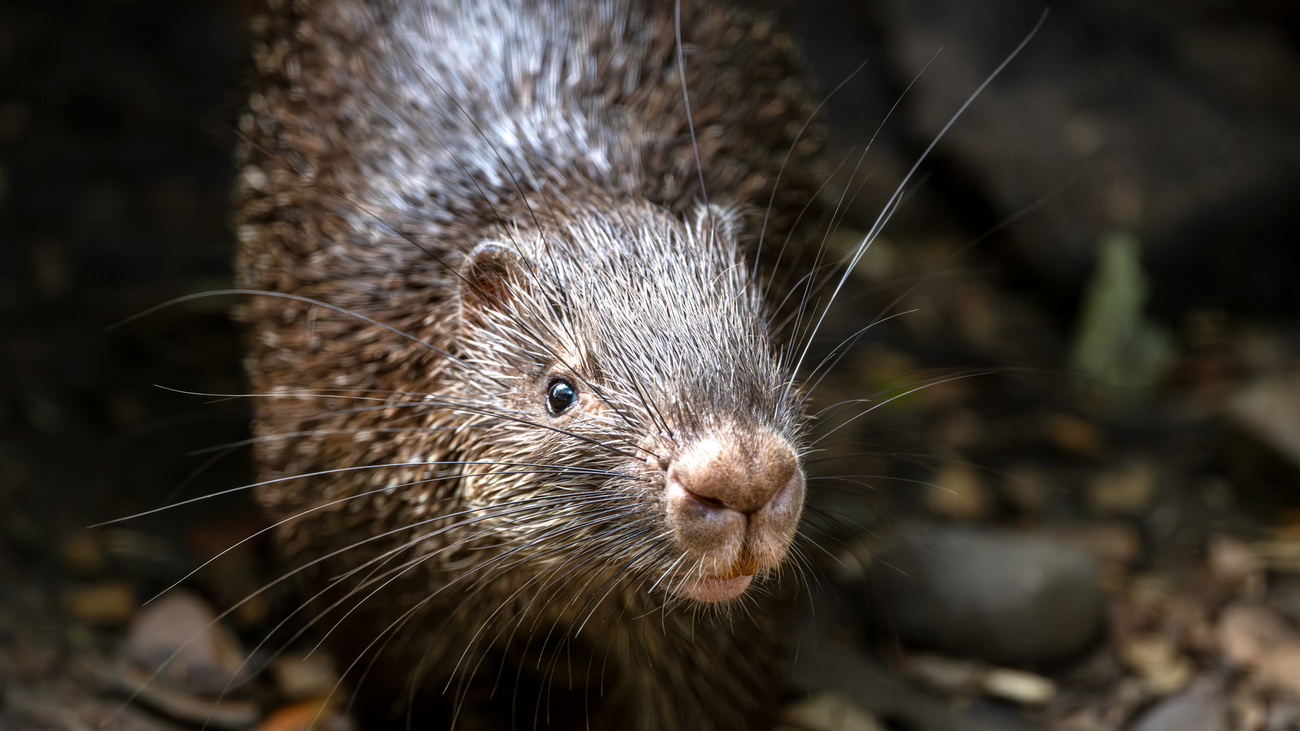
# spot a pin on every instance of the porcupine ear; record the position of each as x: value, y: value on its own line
x: 487, y: 281
x: 716, y: 220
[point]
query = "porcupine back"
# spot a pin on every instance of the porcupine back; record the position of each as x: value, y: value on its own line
x: 523, y: 425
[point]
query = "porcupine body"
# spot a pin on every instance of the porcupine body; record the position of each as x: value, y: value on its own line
x: 532, y: 438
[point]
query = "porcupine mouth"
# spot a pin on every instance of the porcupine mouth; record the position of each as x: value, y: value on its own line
x: 715, y: 589
x: 761, y: 546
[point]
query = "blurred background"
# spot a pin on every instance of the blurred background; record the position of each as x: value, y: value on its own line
x: 1107, y: 238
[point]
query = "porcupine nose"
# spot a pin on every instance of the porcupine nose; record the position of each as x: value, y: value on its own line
x: 734, y: 499
x: 729, y: 474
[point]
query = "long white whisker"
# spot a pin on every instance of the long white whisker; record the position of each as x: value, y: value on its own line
x: 890, y: 207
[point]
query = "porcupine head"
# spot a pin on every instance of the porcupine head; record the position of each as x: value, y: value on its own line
x: 621, y: 389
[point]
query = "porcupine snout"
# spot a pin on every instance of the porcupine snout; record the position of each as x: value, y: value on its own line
x: 733, y: 499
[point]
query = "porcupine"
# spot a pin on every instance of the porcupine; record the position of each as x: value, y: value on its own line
x: 534, y: 427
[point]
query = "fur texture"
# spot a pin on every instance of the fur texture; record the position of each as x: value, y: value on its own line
x: 494, y: 198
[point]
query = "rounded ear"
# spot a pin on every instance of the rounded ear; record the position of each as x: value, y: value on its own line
x: 715, y: 221
x: 487, y: 281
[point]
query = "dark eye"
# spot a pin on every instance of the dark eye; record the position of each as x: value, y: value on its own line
x: 560, y: 395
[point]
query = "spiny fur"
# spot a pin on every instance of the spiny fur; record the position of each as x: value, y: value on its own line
x: 484, y: 545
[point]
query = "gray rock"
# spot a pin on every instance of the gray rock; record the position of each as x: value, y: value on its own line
x: 1002, y: 597
x: 1283, y: 716
x: 179, y: 639
x: 1201, y: 708
x: 1269, y: 412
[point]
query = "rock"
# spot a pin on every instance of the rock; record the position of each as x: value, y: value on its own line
x: 1235, y: 566
x: 1246, y: 634
x: 1282, y: 670
x: 1281, y: 554
x: 1270, y: 412
x: 1258, y: 639
x: 957, y: 493
x: 1283, y: 715
x: 946, y: 674
x: 181, y: 704
x: 105, y: 604
x: 828, y: 712
x: 305, y: 676
x: 1113, y: 542
x: 178, y: 638
x: 826, y: 663
x: 1157, y: 661
x: 1128, y: 490
x: 963, y: 678
x: 1019, y: 687
x: 61, y: 705
x: 1201, y: 708
x: 1005, y: 598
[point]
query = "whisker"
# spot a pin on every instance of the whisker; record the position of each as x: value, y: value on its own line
x: 387, y: 488
x: 908, y: 392
x: 891, y: 204
x: 457, y: 406
x: 280, y: 295
x: 686, y: 100
x: 289, y: 478
x: 785, y: 161
x: 333, y: 554
x: 397, y: 623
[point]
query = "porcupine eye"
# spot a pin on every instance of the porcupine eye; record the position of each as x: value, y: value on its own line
x: 560, y: 395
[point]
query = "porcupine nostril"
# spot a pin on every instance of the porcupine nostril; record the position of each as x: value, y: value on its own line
x: 735, y: 471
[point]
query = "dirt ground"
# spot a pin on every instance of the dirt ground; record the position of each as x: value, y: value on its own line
x: 1087, y: 373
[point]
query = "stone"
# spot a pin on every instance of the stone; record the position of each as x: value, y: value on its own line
x: 1201, y: 708
x: 178, y: 637
x: 1006, y: 598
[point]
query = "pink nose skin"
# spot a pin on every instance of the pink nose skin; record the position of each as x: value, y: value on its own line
x: 733, y: 499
